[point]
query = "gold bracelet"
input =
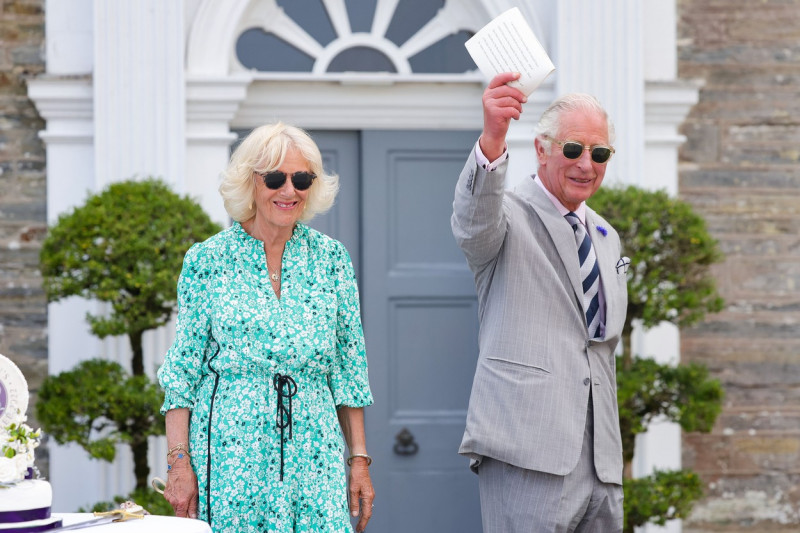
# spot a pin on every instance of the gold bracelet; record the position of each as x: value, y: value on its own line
x: 179, y: 446
x: 365, y: 456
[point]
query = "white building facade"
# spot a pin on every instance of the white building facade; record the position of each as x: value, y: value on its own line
x: 160, y: 87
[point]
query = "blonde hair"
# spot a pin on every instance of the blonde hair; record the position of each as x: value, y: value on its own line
x: 263, y: 150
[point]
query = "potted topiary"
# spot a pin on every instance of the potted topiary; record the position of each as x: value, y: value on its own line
x: 124, y: 246
x: 669, y: 280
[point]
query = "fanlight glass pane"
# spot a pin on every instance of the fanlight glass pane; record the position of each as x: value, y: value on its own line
x: 409, y: 17
x: 361, y: 13
x: 312, y: 16
x: 361, y: 59
x: 448, y: 55
x: 264, y: 51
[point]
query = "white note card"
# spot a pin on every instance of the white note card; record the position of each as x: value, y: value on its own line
x: 507, y: 44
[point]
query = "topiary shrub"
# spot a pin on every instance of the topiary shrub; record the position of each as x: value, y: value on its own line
x: 684, y: 394
x: 662, y: 496
x: 124, y: 246
x: 671, y: 252
x: 98, y: 405
x: 669, y: 280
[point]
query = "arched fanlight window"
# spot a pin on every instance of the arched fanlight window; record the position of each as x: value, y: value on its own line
x: 335, y: 36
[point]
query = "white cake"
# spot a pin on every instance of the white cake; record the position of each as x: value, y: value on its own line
x: 25, y: 506
x: 24, y: 502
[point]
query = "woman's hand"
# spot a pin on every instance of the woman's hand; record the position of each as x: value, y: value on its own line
x: 361, y: 492
x: 181, y: 490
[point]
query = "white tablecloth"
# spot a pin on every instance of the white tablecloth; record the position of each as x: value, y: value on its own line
x: 148, y: 524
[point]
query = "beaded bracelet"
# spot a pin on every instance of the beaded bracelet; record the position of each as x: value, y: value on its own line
x: 180, y: 456
x: 179, y: 446
x: 365, y: 456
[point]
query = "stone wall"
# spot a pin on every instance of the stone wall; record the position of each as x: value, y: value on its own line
x: 23, y: 309
x: 740, y: 170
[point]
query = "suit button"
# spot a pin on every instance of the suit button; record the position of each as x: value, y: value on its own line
x: 587, y: 381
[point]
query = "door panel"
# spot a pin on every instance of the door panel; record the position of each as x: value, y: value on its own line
x: 340, y: 154
x: 421, y: 325
x: 419, y: 203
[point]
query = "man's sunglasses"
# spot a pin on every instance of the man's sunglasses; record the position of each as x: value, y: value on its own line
x: 573, y: 150
x: 301, y: 180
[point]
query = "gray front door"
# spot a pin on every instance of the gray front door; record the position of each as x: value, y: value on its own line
x: 420, y: 319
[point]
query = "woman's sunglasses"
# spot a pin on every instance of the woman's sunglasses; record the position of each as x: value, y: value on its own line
x: 573, y: 150
x: 301, y: 180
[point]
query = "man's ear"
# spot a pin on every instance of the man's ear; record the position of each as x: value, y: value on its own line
x: 541, y: 154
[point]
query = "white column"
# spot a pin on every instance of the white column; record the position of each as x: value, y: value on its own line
x: 139, y: 90
x: 212, y: 103
x: 140, y: 121
x: 64, y: 99
x: 114, y: 102
x: 667, y: 103
x: 596, y: 53
x: 69, y: 42
x: 66, y: 105
x: 660, y: 48
x: 660, y: 446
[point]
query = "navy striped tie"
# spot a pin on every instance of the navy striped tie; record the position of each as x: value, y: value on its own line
x: 590, y: 274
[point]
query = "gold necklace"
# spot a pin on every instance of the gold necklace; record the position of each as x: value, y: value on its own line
x: 272, y: 275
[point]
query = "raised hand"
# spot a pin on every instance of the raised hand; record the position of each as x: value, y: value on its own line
x: 501, y: 103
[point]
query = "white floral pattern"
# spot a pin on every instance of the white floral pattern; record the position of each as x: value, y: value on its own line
x: 233, y: 336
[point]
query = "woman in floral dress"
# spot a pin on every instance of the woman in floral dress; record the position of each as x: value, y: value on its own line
x: 268, y: 373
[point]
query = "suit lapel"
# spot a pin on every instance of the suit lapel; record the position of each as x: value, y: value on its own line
x: 564, y: 240
x: 560, y: 232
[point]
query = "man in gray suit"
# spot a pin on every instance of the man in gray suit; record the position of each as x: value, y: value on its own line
x: 543, y: 427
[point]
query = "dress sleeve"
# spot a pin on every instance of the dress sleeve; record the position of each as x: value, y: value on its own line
x: 349, y: 381
x: 182, y: 368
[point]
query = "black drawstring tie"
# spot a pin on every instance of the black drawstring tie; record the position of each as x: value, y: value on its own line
x: 286, y: 387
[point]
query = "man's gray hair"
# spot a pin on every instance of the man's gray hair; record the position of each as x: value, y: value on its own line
x: 550, y: 122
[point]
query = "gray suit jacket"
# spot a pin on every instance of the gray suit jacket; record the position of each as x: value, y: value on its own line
x: 536, y: 364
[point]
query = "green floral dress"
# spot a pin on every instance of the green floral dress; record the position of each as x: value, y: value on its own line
x: 263, y: 378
